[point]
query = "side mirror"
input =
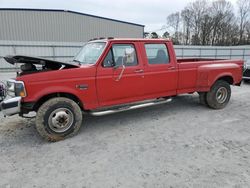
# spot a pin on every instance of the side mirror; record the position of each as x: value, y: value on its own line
x: 112, y: 63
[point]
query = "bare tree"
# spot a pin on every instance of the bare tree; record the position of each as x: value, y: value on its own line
x: 222, y: 13
x: 244, y: 11
x: 146, y: 35
x: 173, y: 20
x: 206, y: 29
x: 166, y: 35
x: 248, y: 32
x: 199, y: 9
x: 197, y: 22
x: 154, y: 35
x: 205, y: 22
x: 186, y: 15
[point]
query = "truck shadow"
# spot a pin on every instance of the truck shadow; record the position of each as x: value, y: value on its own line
x: 179, y: 104
x: 22, y: 131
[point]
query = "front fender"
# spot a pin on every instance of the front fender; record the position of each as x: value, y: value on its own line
x: 51, y: 90
x: 87, y: 96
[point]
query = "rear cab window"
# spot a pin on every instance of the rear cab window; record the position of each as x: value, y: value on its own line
x: 157, y: 54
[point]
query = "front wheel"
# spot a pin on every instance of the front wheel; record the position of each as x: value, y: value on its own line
x: 219, y: 95
x: 58, y: 118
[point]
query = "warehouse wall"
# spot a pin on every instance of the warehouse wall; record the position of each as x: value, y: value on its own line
x: 61, y: 26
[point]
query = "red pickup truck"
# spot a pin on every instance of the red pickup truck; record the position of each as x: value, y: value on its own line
x: 112, y: 75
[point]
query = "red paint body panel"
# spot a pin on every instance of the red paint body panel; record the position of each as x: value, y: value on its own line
x: 63, y: 81
x: 129, y: 88
x: 153, y: 81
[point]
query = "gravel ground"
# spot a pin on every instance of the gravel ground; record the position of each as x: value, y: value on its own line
x: 179, y: 144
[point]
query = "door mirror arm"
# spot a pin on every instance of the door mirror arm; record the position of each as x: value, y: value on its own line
x: 120, y: 75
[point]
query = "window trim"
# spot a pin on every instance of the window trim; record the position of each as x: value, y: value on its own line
x: 107, y: 55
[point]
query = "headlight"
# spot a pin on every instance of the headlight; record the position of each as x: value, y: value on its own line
x: 10, y: 86
x: 16, y: 88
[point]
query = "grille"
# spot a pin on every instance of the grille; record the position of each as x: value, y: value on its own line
x: 2, y: 91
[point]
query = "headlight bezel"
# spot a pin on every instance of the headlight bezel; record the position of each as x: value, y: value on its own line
x: 16, y: 88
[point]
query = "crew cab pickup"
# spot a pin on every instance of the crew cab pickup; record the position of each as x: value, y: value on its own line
x: 112, y: 75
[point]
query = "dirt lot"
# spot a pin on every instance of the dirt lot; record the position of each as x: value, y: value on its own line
x: 179, y: 144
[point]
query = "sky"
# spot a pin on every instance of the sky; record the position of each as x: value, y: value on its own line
x: 151, y: 13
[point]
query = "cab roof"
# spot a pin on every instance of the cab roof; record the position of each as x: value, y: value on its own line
x: 111, y: 39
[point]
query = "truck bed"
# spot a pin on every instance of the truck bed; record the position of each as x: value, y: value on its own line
x: 201, y: 73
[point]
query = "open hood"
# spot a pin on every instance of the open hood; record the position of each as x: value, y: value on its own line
x: 39, y: 61
x: 35, y: 64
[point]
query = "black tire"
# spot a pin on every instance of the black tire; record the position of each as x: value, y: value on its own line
x: 219, y: 95
x: 58, y: 118
x: 247, y: 81
x: 203, y: 98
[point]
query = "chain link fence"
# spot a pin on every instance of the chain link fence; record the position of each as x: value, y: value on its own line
x: 66, y: 51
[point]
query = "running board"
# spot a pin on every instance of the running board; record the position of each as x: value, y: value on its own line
x: 127, y: 108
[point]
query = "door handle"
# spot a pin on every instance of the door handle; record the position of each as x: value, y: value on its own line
x: 138, y: 71
x: 171, y: 68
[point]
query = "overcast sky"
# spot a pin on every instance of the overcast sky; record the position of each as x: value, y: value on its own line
x: 151, y: 13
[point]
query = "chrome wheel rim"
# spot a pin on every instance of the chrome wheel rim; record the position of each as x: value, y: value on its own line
x: 60, y: 120
x: 221, y: 95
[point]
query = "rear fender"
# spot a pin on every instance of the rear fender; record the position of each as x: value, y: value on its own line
x: 224, y: 76
x: 207, y: 75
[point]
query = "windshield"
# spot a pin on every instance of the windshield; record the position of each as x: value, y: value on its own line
x: 90, y: 53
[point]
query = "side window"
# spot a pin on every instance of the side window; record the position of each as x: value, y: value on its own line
x: 121, y: 54
x: 157, y: 53
x: 124, y: 54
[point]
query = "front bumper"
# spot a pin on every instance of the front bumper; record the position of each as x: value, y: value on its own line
x: 11, y: 106
x: 246, y: 78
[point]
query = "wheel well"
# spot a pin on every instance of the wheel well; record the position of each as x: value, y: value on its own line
x: 53, y: 95
x: 228, y: 79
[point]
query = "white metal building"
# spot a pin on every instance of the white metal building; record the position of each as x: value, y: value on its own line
x: 61, y: 26
x: 55, y: 34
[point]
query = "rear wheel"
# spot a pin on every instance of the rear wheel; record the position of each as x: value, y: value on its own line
x: 58, y: 118
x: 219, y: 95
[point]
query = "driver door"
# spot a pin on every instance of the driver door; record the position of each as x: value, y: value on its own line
x: 120, y: 76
